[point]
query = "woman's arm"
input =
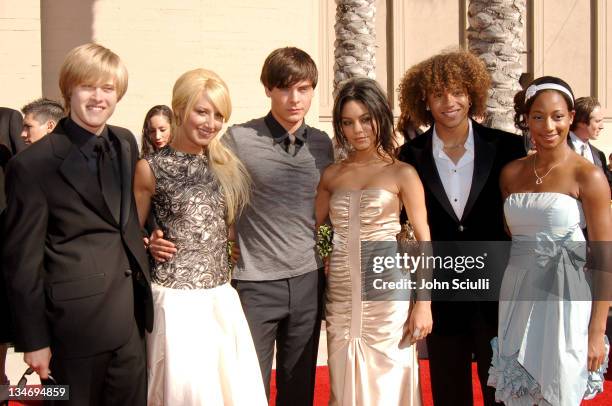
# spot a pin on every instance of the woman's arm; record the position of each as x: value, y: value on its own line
x: 144, y: 188
x: 233, y: 248
x: 322, y: 198
x: 509, y: 172
x: 595, y: 198
x: 412, y: 194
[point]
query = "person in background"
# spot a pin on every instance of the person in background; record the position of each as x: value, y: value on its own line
x: 156, y: 130
x: 10, y: 144
x: 587, y: 125
x: 40, y: 118
x: 11, y: 124
x: 408, y: 130
x: 156, y: 134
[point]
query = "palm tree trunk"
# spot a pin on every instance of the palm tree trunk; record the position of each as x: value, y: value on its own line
x: 494, y: 34
x: 355, y: 45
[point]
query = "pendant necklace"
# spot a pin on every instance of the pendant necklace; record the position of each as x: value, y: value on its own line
x: 540, y: 179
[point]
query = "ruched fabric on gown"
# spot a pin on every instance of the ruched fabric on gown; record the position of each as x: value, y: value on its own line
x: 540, y: 354
x: 368, y: 362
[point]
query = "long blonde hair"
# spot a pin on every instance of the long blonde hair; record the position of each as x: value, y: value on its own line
x: 229, y: 171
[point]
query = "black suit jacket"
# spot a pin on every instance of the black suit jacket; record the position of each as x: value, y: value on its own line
x: 599, y: 159
x: 10, y: 143
x: 483, y: 218
x: 76, y: 277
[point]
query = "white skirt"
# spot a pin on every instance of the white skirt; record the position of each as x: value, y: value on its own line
x: 200, y: 351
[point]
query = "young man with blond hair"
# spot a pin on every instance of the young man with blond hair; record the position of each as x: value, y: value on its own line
x: 76, y: 268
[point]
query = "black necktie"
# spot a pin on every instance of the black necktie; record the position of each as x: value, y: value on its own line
x: 108, y: 184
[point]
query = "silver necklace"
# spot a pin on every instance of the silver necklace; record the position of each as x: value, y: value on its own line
x: 540, y: 179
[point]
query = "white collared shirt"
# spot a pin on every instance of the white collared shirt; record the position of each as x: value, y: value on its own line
x: 456, y: 179
x: 579, y: 145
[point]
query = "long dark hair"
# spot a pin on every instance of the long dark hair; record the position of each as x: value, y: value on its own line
x: 368, y: 92
x: 159, y: 110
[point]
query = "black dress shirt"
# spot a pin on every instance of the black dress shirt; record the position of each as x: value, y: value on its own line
x: 283, y: 137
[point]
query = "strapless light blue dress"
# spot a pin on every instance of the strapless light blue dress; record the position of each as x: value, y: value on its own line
x: 540, y: 354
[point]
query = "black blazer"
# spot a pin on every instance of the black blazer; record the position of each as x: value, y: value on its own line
x: 76, y: 277
x: 483, y: 217
x: 599, y: 159
x: 10, y: 143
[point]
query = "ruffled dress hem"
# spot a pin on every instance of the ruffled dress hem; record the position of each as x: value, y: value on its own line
x: 516, y: 387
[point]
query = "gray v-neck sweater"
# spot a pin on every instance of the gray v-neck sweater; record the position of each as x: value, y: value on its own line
x: 276, y: 230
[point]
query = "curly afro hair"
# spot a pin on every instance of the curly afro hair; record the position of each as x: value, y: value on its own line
x: 449, y: 70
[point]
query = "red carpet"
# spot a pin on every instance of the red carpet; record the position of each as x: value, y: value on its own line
x: 322, y: 388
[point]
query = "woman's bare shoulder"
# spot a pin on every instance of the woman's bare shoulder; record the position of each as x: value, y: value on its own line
x: 404, y: 168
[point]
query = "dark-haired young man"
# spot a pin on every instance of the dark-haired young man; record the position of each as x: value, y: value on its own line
x: 40, y: 118
x: 279, y: 276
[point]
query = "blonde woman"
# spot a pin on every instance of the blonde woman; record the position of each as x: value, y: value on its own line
x: 200, y: 350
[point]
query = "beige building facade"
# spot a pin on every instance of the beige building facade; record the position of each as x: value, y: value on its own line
x: 159, y: 40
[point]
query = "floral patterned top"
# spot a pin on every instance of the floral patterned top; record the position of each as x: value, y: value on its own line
x: 189, y: 207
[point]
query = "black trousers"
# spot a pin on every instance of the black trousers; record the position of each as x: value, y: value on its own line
x: 6, y: 331
x: 286, y: 312
x: 116, y: 377
x: 450, y: 364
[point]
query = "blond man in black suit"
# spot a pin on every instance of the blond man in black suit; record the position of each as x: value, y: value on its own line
x: 77, y: 271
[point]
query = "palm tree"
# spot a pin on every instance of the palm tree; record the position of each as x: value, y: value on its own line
x: 494, y: 34
x: 355, y: 45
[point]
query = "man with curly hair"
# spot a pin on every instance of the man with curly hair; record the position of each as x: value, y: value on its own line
x: 459, y: 162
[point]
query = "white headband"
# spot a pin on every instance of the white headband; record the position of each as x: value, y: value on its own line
x: 533, y: 89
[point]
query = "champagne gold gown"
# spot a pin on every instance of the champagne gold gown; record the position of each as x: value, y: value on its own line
x: 369, y: 363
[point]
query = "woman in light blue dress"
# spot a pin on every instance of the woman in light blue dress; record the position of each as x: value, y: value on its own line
x: 551, y: 347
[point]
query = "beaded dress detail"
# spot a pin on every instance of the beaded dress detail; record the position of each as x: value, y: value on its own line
x: 190, y: 208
